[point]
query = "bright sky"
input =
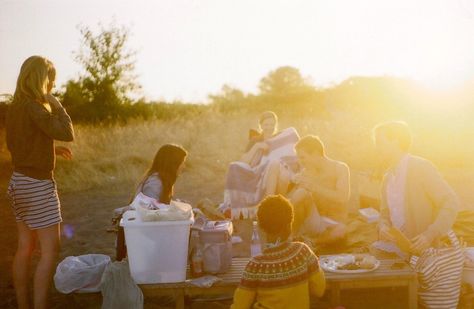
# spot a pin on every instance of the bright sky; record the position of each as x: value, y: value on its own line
x: 189, y: 49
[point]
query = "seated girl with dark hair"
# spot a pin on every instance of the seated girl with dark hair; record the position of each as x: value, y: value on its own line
x: 158, y: 183
x: 159, y: 180
x: 287, y: 272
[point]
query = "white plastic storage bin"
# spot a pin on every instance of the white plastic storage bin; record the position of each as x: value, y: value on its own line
x: 158, y: 250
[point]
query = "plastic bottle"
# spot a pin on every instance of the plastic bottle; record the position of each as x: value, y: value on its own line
x: 196, y: 258
x: 255, y: 246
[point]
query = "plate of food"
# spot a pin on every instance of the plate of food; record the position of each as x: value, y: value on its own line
x: 349, y: 263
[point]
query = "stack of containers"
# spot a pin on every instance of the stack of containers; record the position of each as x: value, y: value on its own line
x: 216, y: 243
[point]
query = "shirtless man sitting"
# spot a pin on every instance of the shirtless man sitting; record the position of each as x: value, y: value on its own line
x: 320, y: 194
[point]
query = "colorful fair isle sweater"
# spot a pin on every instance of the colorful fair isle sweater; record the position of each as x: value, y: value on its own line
x: 282, y: 277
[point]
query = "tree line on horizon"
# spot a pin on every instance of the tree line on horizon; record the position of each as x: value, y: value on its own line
x: 102, y: 92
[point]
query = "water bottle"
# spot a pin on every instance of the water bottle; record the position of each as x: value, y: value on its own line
x: 255, y: 246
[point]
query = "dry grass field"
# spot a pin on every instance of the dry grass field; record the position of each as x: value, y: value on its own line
x: 109, y: 160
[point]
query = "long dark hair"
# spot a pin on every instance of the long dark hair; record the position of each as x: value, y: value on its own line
x: 166, y: 163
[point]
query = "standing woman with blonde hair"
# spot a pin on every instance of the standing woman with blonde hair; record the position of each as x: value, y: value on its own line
x: 34, y: 120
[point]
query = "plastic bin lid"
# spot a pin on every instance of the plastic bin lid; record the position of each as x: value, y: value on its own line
x: 131, y: 219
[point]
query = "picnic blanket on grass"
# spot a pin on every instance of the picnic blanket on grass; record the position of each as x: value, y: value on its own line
x: 245, y: 184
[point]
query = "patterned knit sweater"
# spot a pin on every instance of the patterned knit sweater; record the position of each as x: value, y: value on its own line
x: 282, y: 277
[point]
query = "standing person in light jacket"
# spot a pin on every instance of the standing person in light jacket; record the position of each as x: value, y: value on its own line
x: 34, y: 120
x: 419, y: 206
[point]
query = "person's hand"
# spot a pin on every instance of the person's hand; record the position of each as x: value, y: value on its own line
x: 262, y: 146
x: 307, y: 183
x: 53, y: 101
x: 420, y: 243
x: 64, y: 152
x: 385, y: 235
x: 296, y: 178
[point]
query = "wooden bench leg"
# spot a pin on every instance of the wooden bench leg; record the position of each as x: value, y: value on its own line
x: 413, y: 294
x: 179, y: 297
x: 335, y: 295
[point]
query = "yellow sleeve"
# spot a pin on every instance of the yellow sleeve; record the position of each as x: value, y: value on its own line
x: 317, y: 283
x: 243, y: 299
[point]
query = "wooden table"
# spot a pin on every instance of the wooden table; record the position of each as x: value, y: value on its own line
x: 384, y: 276
x: 230, y: 281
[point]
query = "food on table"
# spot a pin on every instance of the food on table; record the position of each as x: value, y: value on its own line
x: 352, y: 262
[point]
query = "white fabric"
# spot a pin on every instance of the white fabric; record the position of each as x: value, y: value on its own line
x: 152, y: 186
x: 396, y: 193
x: 279, y: 150
x: 245, y: 185
x: 150, y: 210
x: 316, y: 224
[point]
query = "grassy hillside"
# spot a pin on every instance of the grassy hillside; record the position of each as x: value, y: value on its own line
x: 115, y: 156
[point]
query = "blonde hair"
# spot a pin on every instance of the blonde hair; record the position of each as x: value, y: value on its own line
x: 266, y: 115
x: 35, y: 74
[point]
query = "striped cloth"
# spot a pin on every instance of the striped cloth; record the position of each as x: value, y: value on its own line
x: 439, y: 275
x: 244, y: 187
x: 34, y: 202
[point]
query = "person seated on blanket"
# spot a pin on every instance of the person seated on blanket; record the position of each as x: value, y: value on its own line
x: 263, y: 170
x: 320, y: 194
x: 258, y: 147
x: 287, y: 273
x: 157, y: 183
x: 417, y: 212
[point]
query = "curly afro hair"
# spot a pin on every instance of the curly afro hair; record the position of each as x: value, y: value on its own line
x: 275, y: 215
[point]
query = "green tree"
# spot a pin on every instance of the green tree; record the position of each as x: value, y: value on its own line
x: 108, y: 79
x: 5, y: 99
x: 227, y: 94
x: 283, y: 81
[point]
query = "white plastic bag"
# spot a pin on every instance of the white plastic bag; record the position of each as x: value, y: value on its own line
x: 80, y: 273
x: 176, y: 211
x: 143, y: 201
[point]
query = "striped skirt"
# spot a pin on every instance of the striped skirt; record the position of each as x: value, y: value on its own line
x: 439, y: 275
x: 34, y: 202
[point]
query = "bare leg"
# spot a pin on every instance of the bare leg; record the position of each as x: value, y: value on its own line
x: 332, y: 234
x: 301, y: 201
x: 49, y: 243
x: 21, y: 264
x: 271, y: 177
x: 283, y: 180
